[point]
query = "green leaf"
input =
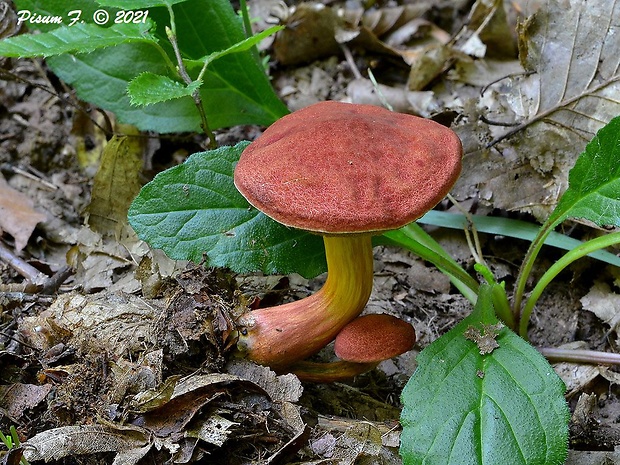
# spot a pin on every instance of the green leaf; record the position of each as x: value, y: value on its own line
x: 193, y: 211
x: 242, y: 46
x: 594, y: 182
x: 413, y: 238
x: 149, y: 88
x: 511, y: 228
x: 504, y: 406
x: 235, y: 89
x: 80, y: 38
x: 84, y: 8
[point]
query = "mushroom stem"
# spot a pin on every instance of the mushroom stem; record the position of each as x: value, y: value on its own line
x: 330, y: 372
x: 282, y: 335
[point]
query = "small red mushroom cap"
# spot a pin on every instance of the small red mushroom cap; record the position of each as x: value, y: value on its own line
x: 373, y: 338
x: 346, y: 168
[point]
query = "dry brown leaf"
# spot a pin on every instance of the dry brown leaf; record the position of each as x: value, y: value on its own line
x: 576, y: 377
x: 116, y: 184
x: 17, y: 215
x: 401, y: 100
x: 525, y: 132
x: 16, y: 398
x: 486, y: 32
x: 283, y: 388
x: 113, y: 323
x: 604, y: 303
x: 315, y: 31
x: 68, y: 441
x: 309, y: 34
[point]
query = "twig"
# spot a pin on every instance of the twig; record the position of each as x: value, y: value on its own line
x: 38, y: 281
x: 34, y: 177
x: 348, y: 56
x: 21, y: 266
x: 580, y: 356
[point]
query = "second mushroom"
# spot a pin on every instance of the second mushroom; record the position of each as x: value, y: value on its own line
x: 344, y: 171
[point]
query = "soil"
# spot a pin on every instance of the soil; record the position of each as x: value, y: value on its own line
x: 67, y: 354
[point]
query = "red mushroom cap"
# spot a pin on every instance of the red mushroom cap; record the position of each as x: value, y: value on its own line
x: 344, y: 168
x: 373, y: 338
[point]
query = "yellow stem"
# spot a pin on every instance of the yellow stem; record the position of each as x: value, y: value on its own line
x: 280, y: 336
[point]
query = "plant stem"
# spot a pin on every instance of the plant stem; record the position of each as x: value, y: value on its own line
x: 412, y: 237
x: 247, y: 25
x: 502, y: 307
x: 172, y: 37
x: 578, y: 252
x: 283, y: 335
x: 528, y: 263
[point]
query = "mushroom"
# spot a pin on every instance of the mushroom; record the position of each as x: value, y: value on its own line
x: 344, y: 171
x: 361, y: 346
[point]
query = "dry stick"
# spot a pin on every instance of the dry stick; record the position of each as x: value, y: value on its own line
x: 25, y: 269
x: 38, y: 281
x: 579, y: 356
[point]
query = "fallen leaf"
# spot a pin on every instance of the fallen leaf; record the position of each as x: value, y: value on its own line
x: 486, y: 32
x: 17, y: 215
x: 68, y: 441
x: 213, y: 430
x: 524, y: 133
x: 116, y: 183
x: 113, y: 323
x: 576, y: 377
x: 17, y: 398
x: 280, y: 388
x: 401, y: 100
x: 604, y: 303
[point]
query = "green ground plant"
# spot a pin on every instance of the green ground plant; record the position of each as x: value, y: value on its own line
x: 12, y: 443
x: 169, y: 66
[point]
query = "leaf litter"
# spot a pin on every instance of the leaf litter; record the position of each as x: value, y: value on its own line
x: 126, y: 365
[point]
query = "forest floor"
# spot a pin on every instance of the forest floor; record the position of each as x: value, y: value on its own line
x: 74, y: 302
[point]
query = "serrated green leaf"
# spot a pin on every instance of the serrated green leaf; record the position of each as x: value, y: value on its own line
x: 462, y: 407
x: 242, y: 46
x: 80, y: 38
x: 149, y: 88
x: 235, y: 91
x: 594, y: 182
x: 193, y: 211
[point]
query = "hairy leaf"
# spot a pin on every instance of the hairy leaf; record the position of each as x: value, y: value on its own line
x: 194, y: 212
x: 148, y: 88
x: 482, y: 395
x: 238, y: 47
x: 594, y: 182
x: 80, y: 38
x: 235, y: 88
